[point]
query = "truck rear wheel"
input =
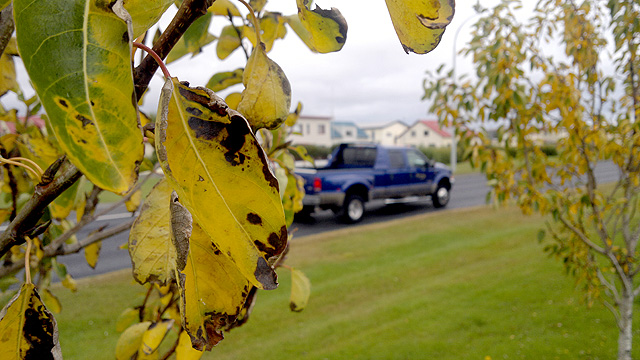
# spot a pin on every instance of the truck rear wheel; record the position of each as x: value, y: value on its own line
x: 352, y: 209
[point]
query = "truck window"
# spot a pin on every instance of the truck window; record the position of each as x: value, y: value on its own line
x: 354, y: 157
x: 416, y: 159
x: 396, y: 159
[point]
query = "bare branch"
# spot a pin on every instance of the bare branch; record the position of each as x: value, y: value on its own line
x: 31, y: 212
x: 582, y: 236
x: 101, y: 235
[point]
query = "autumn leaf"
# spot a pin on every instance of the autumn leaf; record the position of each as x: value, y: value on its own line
x: 145, y: 13
x: 79, y: 64
x: 185, y: 351
x: 130, y: 340
x: 228, y: 42
x: 152, y: 338
x: 420, y: 24
x: 92, y: 253
x: 271, y: 27
x: 27, y: 328
x: 150, y: 248
x: 300, y: 290
x: 222, y: 80
x: 216, y: 165
x: 212, y: 289
x: 224, y: 8
x: 266, y: 98
x: 127, y: 318
x: 321, y: 30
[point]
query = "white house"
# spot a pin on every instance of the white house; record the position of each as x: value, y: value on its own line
x: 425, y: 133
x: 386, y: 134
x: 312, y: 130
x: 347, y: 132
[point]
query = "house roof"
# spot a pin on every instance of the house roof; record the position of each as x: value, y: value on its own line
x: 433, y: 125
x: 313, y: 117
x: 35, y: 120
x: 382, y: 126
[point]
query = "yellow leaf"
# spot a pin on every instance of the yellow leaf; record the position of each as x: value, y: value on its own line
x: 212, y: 289
x: 152, y: 338
x: 216, y: 165
x: 88, y: 93
x: 51, y: 301
x: 130, y: 340
x: 228, y: 41
x: 420, y: 24
x: 92, y: 253
x: 321, y: 30
x: 27, y: 328
x: 233, y: 100
x: 272, y: 28
x: 266, y: 98
x: 150, y: 247
x: 7, y: 74
x: 134, y: 201
x: 300, y: 290
x: 185, y: 351
x: 224, y: 8
x: 127, y: 318
x: 223, y: 80
x: 145, y: 13
x: 69, y: 283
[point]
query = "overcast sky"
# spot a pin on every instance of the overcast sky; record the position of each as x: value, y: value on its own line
x: 370, y: 81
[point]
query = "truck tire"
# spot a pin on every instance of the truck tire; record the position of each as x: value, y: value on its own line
x: 352, y: 209
x: 440, y: 198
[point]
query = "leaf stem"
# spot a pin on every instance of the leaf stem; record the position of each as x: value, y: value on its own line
x: 11, y: 161
x: 155, y: 56
x: 254, y: 20
x: 33, y: 163
x: 27, y: 259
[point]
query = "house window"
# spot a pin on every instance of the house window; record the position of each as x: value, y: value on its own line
x: 388, y: 134
x: 348, y: 133
x: 426, y: 133
x: 413, y: 134
x: 308, y: 129
x: 321, y: 129
x: 297, y: 129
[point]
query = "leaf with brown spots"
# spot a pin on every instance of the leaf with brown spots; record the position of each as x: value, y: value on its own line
x: 212, y: 289
x: 266, y: 97
x: 221, y: 175
x: 27, y: 328
x: 323, y: 31
x: 420, y: 23
x: 78, y: 56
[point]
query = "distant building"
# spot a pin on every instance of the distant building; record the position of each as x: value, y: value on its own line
x: 386, y: 134
x: 347, y: 132
x: 312, y: 130
x: 425, y: 133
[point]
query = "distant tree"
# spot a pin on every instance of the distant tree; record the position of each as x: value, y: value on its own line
x: 213, y: 230
x: 572, y: 72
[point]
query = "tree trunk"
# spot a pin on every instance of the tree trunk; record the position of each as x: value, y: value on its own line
x: 625, y: 325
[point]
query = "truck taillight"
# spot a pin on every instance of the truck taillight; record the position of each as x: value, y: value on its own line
x: 317, y: 185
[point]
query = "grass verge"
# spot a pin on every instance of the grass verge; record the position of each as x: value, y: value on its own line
x: 470, y: 284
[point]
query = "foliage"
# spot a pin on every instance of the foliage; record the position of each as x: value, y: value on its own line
x: 443, y: 154
x: 215, y: 229
x: 553, y: 77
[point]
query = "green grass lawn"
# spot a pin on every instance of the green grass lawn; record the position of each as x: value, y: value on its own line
x: 470, y: 284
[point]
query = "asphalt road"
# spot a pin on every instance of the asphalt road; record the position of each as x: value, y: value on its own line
x: 468, y: 190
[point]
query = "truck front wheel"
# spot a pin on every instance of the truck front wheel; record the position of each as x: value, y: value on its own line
x: 352, y: 209
x: 441, y: 197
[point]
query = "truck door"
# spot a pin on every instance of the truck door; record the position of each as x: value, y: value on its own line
x: 422, y: 174
x: 399, y: 174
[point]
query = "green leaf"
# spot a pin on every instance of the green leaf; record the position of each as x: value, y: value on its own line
x: 150, y: 247
x: 51, y: 301
x: 27, y: 328
x: 8, y: 74
x: 300, y: 290
x: 212, y: 289
x: 145, y: 13
x: 321, y: 30
x: 228, y: 42
x: 130, y: 340
x: 266, y: 98
x: 77, y: 54
x: 223, y: 80
x: 420, y: 24
x: 216, y: 165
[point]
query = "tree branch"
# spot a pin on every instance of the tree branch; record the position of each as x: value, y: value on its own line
x: 189, y: 11
x: 31, y: 212
x: 74, y: 248
x: 6, y: 27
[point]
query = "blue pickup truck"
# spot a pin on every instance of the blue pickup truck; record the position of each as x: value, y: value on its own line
x: 357, y: 173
